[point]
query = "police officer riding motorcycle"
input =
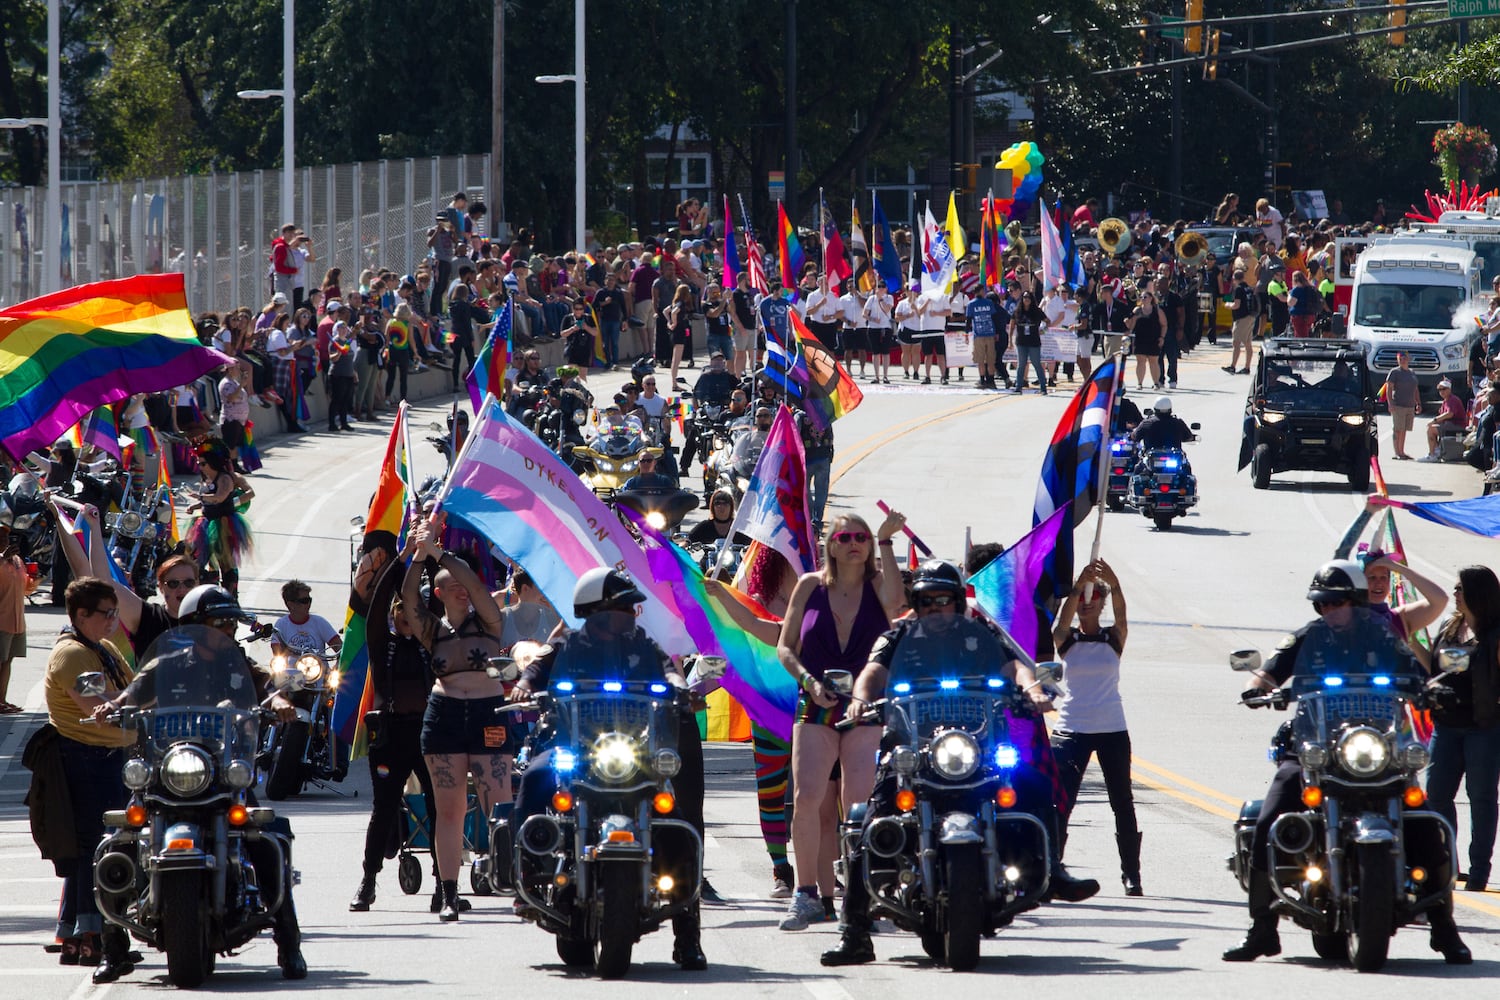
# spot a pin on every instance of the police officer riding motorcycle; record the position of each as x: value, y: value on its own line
x: 1163, y: 486
x: 1339, y: 841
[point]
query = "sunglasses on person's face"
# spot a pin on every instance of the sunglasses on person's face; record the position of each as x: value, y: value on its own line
x: 649, y: 385
x: 851, y: 537
x: 177, y: 584
x: 937, y: 601
x: 300, y: 600
x: 111, y: 614
x: 722, y: 503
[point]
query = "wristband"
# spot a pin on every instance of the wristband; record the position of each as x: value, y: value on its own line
x: 888, y: 541
x: 802, y: 683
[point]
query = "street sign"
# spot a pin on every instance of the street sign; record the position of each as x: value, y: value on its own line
x: 1474, y: 8
x: 1180, y: 33
x: 776, y: 184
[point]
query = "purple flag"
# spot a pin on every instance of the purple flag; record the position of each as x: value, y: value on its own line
x: 1004, y: 589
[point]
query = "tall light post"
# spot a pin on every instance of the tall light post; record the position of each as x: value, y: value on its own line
x: 288, y: 95
x: 577, y: 79
x: 51, y: 278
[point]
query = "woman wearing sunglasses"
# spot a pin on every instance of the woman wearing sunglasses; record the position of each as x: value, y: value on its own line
x: 1091, y: 718
x: 832, y: 621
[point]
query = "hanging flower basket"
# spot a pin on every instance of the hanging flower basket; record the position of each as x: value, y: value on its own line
x: 1464, y: 152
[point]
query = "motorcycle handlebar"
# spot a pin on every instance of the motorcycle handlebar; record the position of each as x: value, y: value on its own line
x: 1278, y: 699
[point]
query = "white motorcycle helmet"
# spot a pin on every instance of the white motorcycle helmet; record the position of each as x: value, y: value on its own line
x: 1162, y: 405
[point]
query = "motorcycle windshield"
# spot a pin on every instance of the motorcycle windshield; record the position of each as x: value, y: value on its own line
x: 946, y: 674
x: 203, y: 688
x: 611, y: 690
x: 1360, y: 675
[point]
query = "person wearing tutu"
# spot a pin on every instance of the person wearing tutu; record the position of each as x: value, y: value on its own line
x: 221, y: 535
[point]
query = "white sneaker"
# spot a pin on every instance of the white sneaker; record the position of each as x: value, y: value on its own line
x: 1429, y: 458
x: 1172, y: 385
x: 803, y: 910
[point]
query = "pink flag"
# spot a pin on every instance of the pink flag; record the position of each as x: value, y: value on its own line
x: 774, y: 510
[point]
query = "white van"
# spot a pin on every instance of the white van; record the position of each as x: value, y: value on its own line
x: 1405, y: 297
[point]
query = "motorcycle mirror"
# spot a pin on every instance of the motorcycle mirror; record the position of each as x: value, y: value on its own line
x: 503, y: 668
x: 90, y: 685
x: 840, y: 681
x: 1245, y: 660
x: 436, y: 427
x: 1451, y: 660
x: 1048, y: 671
x: 357, y: 521
x: 1195, y: 427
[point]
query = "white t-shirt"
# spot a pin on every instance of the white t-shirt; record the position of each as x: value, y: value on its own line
x: 278, y: 345
x: 823, y: 307
x: 1271, y: 226
x: 878, y: 312
x: 299, y: 257
x: 313, y: 634
x: 654, y: 406
x: 853, y: 309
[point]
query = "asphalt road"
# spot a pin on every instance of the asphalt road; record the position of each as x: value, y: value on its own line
x: 1230, y: 576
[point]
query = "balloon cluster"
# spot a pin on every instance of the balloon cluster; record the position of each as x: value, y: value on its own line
x: 1024, y: 161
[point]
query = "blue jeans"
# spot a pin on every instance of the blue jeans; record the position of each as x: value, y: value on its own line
x: 818, y: 470
x: 94, y: 785
x: 610, y: 328
x: 723, y: 343
x: 1033, y: 355
x: 1473, y: 756
x: 556, y: 313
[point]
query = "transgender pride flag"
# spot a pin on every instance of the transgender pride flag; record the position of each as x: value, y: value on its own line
x: 508, y: 487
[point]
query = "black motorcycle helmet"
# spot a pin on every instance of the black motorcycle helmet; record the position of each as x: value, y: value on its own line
x: 641, y: 369
x: 208, y: 604
x: 605, y: 589
x: 555, y: 386
x: 1339, y: 580
x: 938, y: 577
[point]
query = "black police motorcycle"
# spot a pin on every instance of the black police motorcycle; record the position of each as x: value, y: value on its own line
x: 140, y: 535
x: 1121, y: 470
x: 1163, y: 486
x: 1344, y: 868
x: 956, y: 859
x: 174, y: 868
x: 589, y: 869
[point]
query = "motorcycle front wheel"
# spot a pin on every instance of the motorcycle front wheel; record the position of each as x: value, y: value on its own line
x: 185, y: 929
x: 619, y: 884
x: 284, y: 779
x: 964, y: 923
x: 1372, y: 921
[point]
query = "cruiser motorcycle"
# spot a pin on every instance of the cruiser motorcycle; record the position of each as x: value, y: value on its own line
x: 296, y: 753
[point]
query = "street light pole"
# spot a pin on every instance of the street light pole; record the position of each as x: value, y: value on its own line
x: 52, y: 225
x: 288, y: 95
x: 579, y: 187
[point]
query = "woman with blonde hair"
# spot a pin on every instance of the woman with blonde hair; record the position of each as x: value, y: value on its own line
x: 832, y: 621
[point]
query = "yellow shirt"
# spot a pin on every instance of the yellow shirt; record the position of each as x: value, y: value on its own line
x: 69, y: 659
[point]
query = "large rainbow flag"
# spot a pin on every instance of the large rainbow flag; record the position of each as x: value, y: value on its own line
x: 64, y: 354
x: 387, y: 511
x: 827, y: 390
x: 789, y: 252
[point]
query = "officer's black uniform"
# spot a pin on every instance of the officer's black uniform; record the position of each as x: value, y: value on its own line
x: 1127, y: 416
x: 630, y: 657
x: 1162, y: 430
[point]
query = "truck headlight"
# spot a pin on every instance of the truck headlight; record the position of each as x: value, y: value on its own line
x: 1272, y: 417
x: 1353, y: 419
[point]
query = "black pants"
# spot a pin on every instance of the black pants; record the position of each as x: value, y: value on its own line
x: 463, y: 347
x: 440, y: 286
x: 1033, y: 796
x: 94, y: 785
x: 340, y: 399
x: 399, y: 364
x: 1072, y: 752
x: 397, y: 758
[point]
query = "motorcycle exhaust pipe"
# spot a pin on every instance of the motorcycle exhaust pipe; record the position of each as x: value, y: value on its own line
x: 1292, y: 833
x: 540, y: 835
x: 886, y: 837
x: 115, y: 874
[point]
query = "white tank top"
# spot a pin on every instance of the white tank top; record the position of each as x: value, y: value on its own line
x: 1091, y: 681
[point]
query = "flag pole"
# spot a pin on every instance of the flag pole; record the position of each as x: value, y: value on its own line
x: 1103, y: 459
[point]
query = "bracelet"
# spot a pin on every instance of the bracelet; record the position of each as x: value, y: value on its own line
x: 802, y: 681
x: 888, y: 541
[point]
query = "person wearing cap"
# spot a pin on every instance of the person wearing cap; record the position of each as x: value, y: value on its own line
x: 1452, y: 417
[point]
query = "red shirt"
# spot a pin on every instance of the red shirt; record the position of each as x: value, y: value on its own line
x: 281, y: 257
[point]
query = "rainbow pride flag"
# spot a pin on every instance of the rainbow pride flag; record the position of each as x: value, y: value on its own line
x: 789, y: 252
x: 755, y: 678
x: 488, y: 373
x: 828, y: 392
x: 62, y: 355
x: 100, y: 430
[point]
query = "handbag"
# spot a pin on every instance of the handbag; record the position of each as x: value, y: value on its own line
x: 377, y: 728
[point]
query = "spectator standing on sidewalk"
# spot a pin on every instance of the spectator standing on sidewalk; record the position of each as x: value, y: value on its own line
x: 1403, y: 398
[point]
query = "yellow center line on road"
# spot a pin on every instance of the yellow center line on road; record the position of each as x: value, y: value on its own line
x: 864, y: 449
x: 1166, y: 775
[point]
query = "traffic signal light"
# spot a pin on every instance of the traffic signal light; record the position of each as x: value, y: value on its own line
x: 1211, y: 67
x: 1193, y: 39
x: 1398, y: 20
x: 970, y: 173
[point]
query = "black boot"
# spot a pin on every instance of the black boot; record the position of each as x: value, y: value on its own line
x: 115, y: 961
x: 364, y: 896
x: 1066, y: 887
x: 687, y: 948
x: 1130, y: 862
x: 464, y: 906
x: 1262, y: 940
x: 854, y: 948
x: 449, y: 910
x: 1445, y: 939
x: 288, y: 937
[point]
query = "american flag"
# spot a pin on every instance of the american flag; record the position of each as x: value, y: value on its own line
x: 755, y: 265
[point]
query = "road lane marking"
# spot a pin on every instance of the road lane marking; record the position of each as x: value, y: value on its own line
x: 1163, y: 773
x: 873, y: 443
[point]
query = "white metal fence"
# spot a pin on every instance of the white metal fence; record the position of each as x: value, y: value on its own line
x: 218, y: 227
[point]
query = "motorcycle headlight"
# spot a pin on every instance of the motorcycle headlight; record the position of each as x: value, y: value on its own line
x: 334, y: 678
x: 904, y: 761
x: 1415, y: 757
x: 186, y: 771
x: 136, y: 774
x: 615, y: 757
x: 1353, y: 419
x: 630, y: 466
x: 311, y: 667
x: 1313, y: 756
x: 667, y: 762
x: 129, y: 523
x: 1363, y: 752
x: 955, y: 755
x: 239, y: 774
x: 656, y: 519
x: 1272, y: 417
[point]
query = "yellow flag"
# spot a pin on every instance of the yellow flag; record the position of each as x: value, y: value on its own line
x: 958, y: 240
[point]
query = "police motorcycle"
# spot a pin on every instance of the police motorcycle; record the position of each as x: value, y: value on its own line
x: 294, y: 754
x: 174, y: 868
x: 24, y: 512
x: 1363, y: 858
x: 956, y: 859
x: 1122, y: 461
x: 140, y: 535
x: 592, y: 868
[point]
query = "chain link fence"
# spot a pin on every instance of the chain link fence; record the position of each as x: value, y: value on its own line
x: 218, y: 228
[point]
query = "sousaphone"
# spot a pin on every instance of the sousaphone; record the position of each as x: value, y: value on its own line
x: 1191, y: 249
x: 1114, y: 236
x: 1015, y: 242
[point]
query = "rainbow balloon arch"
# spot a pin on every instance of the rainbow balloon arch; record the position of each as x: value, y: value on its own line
x: 1024, y: 161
